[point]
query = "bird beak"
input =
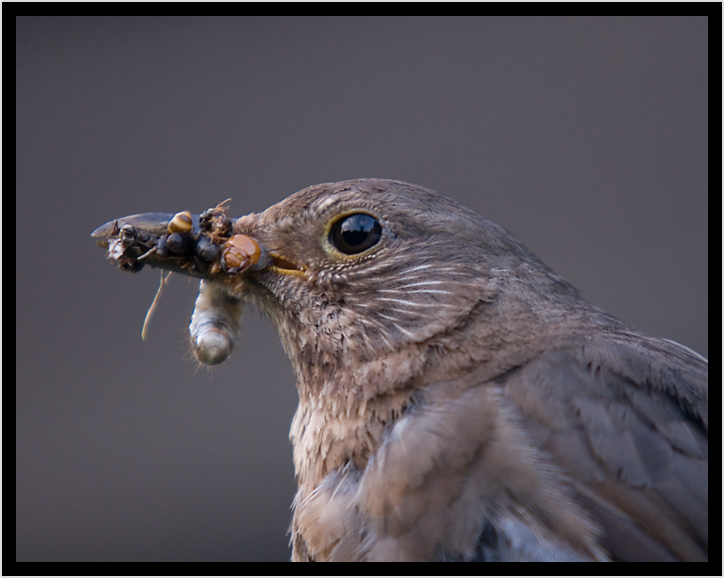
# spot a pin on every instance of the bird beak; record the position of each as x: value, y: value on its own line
x: 196, y: 245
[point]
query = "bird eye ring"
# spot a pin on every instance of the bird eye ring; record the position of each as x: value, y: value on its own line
x: 355, y: 233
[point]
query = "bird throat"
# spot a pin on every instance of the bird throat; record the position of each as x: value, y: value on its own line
x: 346, y: 401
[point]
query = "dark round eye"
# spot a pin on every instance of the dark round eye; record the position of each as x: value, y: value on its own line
x: 355, y: 233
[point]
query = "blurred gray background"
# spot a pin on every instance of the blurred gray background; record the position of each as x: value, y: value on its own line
x: 585, y: 137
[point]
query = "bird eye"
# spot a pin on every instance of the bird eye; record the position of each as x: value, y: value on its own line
x: 355, y: 233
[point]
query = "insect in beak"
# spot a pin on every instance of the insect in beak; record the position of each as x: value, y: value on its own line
x: 201, y: 246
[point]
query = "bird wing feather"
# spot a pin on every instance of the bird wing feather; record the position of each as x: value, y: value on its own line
x: 628, y: 422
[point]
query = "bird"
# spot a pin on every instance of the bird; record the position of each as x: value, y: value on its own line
x: 458, y: 400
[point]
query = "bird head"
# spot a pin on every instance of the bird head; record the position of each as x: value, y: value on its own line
x: 362, y: 269
x: 365, y: 269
